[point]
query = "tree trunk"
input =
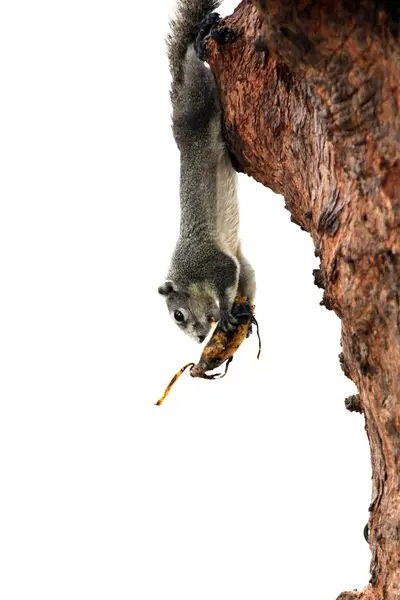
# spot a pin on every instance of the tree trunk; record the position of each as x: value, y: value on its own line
x: 312, y: 111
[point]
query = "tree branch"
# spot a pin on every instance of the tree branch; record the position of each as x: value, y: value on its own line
x: 314, y: 115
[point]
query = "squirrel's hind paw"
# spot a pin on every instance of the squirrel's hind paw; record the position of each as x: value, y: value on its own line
x: 224, y: 35
x: 207, y: 24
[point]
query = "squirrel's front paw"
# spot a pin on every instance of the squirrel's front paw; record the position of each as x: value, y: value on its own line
x: 227, y: 321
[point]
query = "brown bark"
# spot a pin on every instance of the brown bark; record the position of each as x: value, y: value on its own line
x: 316, y: 118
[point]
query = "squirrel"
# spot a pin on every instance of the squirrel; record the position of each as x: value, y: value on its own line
x: 208, y: 269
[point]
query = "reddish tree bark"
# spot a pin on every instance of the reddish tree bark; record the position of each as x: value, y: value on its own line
x: 315, y: 116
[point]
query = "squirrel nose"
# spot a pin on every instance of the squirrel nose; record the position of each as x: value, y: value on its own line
x: 201, y: 338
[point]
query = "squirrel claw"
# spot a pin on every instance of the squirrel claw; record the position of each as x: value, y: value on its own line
x: 250, y: 330
x: 227, y: 322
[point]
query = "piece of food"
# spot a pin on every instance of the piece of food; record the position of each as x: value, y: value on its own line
x: 221, y: 347
x: 171, y: 383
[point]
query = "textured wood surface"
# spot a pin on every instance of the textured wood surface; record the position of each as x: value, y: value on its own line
x: 315, y: 117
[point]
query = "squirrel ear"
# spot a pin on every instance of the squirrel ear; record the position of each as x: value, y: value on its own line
x: 166, y: 288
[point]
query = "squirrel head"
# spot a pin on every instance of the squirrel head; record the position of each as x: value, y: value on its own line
x: 193, y: 308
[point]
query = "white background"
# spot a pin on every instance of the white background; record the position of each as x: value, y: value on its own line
x: 253, y: 487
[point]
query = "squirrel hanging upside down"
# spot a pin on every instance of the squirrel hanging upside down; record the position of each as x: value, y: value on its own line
x: 208, y: 268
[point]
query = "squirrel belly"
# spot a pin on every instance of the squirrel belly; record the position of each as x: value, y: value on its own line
x: 207, y: 268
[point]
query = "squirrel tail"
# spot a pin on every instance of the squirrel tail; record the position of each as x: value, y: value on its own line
x: 184, y: 27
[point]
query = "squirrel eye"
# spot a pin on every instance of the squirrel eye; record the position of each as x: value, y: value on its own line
x: 179, y: 316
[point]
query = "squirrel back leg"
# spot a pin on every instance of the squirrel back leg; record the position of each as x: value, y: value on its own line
x: 223, y: 273
x: 197, y: 105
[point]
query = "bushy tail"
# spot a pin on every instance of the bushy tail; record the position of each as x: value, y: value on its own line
x: 183, y: 31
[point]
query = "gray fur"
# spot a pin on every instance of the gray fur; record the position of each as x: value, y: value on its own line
x: 183, y: 31
x: 208, y: 268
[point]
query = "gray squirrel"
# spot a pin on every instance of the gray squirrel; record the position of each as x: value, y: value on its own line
x: 208, y: 268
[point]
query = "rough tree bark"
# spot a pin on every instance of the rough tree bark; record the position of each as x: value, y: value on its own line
x: 312, y: 112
